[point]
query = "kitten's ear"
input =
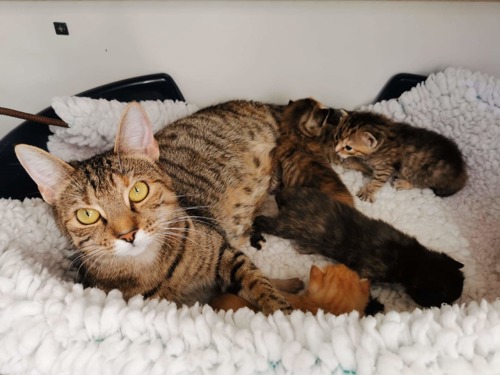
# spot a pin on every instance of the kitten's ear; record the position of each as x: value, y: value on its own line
x: 290, y: 102
x: 315, y: 279
x: 343, y: 113
x: 135, y: 133
x: 456, y: 263
x: 45, y: 169
x: 324, y: 113
x: 316, y: 272
x: 369, y: 140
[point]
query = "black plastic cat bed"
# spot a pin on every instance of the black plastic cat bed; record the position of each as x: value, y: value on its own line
x: 19, y: 185
x: 158, y: 86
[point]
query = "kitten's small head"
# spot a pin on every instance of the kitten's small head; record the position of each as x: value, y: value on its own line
x: 306, y: 117
x: 115, y: 206
x: 360, y: 134
x: 435, y: 280
x: 338, y: 288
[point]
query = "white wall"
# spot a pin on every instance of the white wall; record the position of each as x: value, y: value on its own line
x: 339, y: 52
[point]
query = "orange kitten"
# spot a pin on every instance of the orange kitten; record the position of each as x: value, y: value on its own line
x: 336, y: 289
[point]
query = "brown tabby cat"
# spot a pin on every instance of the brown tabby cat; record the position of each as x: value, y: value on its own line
x: 300, y: 156
x: 335, y: 289
x: 162, y: 217
x: 413, y: 157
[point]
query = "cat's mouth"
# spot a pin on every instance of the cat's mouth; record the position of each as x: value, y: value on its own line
x: 139, y: 246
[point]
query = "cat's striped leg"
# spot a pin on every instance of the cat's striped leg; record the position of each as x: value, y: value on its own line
x: 379, y: 178
x: 357, y: 165
x: 238, y: 272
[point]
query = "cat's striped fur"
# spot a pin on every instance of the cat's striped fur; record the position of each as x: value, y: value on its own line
x: 207, y: 176
x: 301, y: 156
x: 335, y: 289
x: 220, y: 160
x: 409, y: 156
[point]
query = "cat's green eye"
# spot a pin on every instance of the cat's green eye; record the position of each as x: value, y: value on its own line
x: 138, y: 192
x: 87, y: 216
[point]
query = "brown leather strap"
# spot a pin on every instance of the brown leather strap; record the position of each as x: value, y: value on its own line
x: 34, y: 118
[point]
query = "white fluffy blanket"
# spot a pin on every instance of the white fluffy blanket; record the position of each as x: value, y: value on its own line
x: 50, y: 325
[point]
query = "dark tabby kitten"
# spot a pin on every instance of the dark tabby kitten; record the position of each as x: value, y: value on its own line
x: 413, y: 157
x: 162, y: 217
x: 373, y: 248
x: 300, y: 155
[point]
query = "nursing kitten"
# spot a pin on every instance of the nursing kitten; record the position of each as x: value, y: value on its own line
x: 300, y: 155
x: 161, y: 217
x: 374, y: 249
x: 335, y: 289
x: 411, y: 156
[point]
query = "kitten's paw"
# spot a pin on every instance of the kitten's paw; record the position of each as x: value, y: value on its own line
x: 366, y: 195
x: 255, y: 240
x: 401, y: 184
x: 374, y: 307
x: 271, y: 307
x: 293, y: 285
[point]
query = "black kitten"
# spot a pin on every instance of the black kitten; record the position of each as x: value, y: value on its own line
x: 373, y: 248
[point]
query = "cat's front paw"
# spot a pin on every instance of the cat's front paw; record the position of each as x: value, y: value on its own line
x: 271, y: 307
x: 256, y: 238
x: 366, y: 195
x: 401, y: 184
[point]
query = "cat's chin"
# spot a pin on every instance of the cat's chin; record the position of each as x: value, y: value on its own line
x: 140, y: 248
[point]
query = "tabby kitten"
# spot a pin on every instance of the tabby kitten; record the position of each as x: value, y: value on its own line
x: 145, y: 217
x: 411, y: 156
x: 335, y: 289
x: 300, y: 157
x: 374, y: 249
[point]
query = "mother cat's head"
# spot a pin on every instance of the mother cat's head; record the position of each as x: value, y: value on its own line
x: 117, y: 207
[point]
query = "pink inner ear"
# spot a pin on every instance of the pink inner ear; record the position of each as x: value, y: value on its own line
x: 135, y: 133
x: 48, y: 172
x: 369, y: 139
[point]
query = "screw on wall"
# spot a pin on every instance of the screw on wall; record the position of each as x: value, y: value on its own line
x: 61, y: 28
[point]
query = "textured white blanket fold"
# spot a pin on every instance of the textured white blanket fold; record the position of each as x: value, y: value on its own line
x: 50, y: 325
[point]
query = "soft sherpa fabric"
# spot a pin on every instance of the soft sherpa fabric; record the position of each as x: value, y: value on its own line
x: 50, y: 325
x: 93, y: 123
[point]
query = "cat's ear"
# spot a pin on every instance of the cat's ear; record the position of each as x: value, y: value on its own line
x: 369, y: 140
x: 316, y: 272
x: 324, y: 113
x: 290, y: 102
x: 48, y: 171
x: 454, y: 262
x: 135, y: 133
x: 315, y: 279
x: 343, y: 113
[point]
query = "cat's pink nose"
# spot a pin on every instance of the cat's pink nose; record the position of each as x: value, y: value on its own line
x: 129, y: 237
